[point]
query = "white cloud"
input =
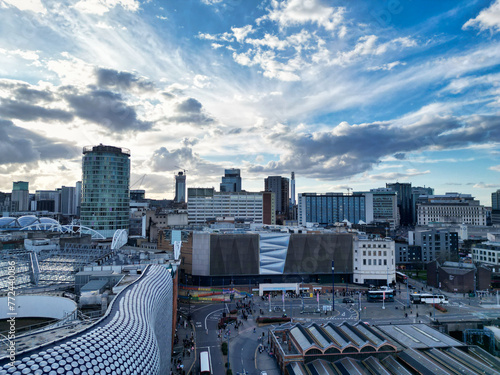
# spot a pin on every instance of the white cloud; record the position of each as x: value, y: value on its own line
x: 71, y: 70
x: 100, y: 7
x: 27, y: 55
x: 201, y: 81
x: 367, y: 45
x: 299, y: 12
x: 488, y: 18
x: 270, y: 41
x: 240, y: 33
x: 495, y: 168
x: 388, y: 66
x: 30, y: 5
x: 482, y: 185
x: 211, y: 2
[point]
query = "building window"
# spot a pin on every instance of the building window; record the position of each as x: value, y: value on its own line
x: 364, y: 262
x: 385, y: 262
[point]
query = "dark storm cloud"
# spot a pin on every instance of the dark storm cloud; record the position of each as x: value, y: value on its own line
x: 106, y: 108
x: 164, y: 160
x: 18, y: 145
x: 111, y: 78
x: 23, y: 92
x: 351, y: 149
x: 30, y: 95
x: 191, y: 111
x: 189, y: 106
x: 13, y: 109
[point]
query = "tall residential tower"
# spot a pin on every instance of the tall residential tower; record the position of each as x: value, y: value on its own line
x: 105, y: 189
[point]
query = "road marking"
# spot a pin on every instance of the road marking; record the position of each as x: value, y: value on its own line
x: 209, y: 315
x: 210, y: 358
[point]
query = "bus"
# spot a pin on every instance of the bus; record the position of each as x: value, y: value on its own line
x: 205, y: 368
x: 401, y: 277
x: 378, y: 295
x: 427, y: 298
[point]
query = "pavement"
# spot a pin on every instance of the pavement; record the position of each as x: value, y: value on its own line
x: 185, y: 330
x: 244, y: 357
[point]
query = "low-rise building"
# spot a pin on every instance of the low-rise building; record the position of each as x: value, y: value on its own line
x: 374, y: 261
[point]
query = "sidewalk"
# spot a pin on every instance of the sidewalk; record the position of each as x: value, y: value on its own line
x: 184, y: 351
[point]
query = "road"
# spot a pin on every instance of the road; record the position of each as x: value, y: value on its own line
x: 243, y: 352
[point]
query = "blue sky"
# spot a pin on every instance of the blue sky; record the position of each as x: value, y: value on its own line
x: 346, y: 94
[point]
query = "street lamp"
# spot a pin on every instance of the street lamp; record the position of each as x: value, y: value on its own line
x: 189, y: 304
x: 302, y: 294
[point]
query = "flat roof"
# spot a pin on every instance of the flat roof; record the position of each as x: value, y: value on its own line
x: 94, y: 285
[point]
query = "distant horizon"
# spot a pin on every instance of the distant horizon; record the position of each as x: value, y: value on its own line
x: 346, y: 95
x: 216, y: 187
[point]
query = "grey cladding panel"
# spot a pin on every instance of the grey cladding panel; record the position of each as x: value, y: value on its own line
x: 236, y: 254
x: 313, y: 253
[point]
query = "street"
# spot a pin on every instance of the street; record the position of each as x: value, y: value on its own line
x: 244, y: 342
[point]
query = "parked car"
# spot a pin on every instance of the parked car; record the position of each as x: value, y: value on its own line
x: 347, y: 300
x: 411, y: 286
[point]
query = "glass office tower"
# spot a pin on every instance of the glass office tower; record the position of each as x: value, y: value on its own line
x: 105, y: 189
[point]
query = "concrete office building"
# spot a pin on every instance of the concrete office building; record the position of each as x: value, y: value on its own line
x: 68, y: 201
x: 105, y: 189
x: 330, y: 208
x: 451, y: 208
x: 416, y: 192
x: 408, y: 255
x: 205, y: 204
x: 374, y: 261
x: 488, y: 252
x: 48, y: 200
x: 280, y: 186
x: 20, y: 196
x: 435, y: 243
x: 231, y: 181
x: 382, y: 207
x: 180, y: 188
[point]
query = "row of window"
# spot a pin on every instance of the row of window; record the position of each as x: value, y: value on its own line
x: 374, y: 253
x: 369, y: 262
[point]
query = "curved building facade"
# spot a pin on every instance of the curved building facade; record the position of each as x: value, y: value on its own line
x: 134, y: 337
x: 105, y: 189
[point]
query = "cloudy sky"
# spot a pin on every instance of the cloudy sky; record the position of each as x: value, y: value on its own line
x: 345, y: 93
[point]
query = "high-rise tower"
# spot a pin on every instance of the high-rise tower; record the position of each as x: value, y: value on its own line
x: 292, y: 188
x: 20, y: 196
x: 105, y: 189
x: 180, y: 188
x: 280, y: 187
x: 231, y: 182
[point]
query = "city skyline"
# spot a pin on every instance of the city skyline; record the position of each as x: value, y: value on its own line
x: 345, y: 96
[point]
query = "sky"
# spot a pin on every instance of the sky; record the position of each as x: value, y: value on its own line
x: 347, y: 94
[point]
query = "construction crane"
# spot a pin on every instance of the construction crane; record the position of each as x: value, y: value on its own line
x: 184, y: 170
x: 141, y: 180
